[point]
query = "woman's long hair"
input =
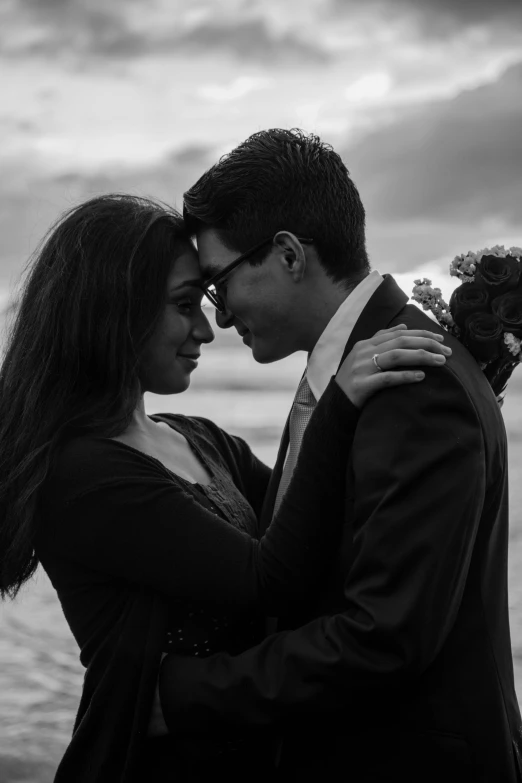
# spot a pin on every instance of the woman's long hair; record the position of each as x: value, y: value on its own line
x: 92, y: 298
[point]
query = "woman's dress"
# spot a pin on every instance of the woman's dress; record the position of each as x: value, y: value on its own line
x: 145, y: 563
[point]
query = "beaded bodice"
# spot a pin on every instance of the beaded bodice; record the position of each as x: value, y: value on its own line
x: 202, y: 628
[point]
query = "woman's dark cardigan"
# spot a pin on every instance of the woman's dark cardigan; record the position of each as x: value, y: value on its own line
x: 121, y: 537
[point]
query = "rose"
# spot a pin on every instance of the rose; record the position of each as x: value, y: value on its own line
x: 468, y: 298
x: 508, y: 308
x: 498, y: 273
x: 483, y: 336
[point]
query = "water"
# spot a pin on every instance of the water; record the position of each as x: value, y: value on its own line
x: 40, y: 677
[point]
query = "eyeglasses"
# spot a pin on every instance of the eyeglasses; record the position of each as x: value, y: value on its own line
x: 210, y: 287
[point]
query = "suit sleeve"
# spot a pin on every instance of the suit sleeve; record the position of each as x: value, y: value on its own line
x: 419, y: 483
x: 132, y: 523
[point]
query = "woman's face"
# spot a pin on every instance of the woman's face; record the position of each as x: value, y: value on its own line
x: 173, y: 350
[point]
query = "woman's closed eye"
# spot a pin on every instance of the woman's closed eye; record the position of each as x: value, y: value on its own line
x: 187, y: 304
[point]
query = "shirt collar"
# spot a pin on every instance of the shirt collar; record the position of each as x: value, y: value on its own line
x: 325, y: 358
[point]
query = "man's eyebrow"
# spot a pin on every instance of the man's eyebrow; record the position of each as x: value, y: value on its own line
x: 195, y: 283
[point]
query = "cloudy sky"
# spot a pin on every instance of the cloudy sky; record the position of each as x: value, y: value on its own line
x: 423, y: 98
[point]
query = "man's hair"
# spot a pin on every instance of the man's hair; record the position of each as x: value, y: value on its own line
x: 280, y: 180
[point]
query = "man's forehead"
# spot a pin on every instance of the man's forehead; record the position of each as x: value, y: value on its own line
x: 213, y: 254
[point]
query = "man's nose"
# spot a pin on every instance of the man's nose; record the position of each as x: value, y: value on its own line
x: 224, y: 320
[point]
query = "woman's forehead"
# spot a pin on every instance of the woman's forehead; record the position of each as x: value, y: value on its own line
x: 185, y: 269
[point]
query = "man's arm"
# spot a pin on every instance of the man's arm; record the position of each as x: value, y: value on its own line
x: 419, y: 484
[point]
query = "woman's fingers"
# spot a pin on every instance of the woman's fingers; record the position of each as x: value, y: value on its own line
x: 394, y: 351
x: 386, y: 335
x: 360, y: 387
x: 391, y: 329
x: 410, y: 342
x: 385, y: 380
x: 407, y: 357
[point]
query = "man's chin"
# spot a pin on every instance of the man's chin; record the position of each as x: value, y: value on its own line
x: 266, y: 354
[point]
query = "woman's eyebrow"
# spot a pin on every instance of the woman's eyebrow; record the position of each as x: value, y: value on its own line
x: 195, y: 283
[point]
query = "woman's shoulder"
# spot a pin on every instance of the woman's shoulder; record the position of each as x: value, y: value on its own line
x: 84, y: 452
x: 85, y: 463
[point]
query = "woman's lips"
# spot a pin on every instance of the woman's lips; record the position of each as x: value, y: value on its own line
x: 190, y: 360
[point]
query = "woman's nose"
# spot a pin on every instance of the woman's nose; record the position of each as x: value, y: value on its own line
x: 203, y: 330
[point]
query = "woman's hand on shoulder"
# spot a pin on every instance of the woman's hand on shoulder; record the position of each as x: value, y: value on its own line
x: 384, y: 359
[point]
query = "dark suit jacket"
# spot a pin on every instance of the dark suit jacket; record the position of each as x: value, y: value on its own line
x: 402, y: 668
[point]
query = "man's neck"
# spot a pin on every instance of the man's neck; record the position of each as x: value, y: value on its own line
x: 324, y: 306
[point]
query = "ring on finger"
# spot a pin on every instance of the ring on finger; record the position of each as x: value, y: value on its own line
x: 374, y: 360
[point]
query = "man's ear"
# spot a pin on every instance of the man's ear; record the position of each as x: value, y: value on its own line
x: 291, y: 254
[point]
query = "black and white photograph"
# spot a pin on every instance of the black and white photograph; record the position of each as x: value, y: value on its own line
x: 260, y: 395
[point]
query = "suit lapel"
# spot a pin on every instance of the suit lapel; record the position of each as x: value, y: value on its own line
x: 383, y: 306
x: 267, y: 511
x: 273, y: 484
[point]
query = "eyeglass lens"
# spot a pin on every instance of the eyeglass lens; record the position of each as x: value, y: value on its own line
x: 215, y: 298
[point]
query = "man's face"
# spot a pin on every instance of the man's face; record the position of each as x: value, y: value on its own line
x: 259, y: 299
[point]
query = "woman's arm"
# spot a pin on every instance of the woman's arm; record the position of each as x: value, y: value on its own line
x: 252, y: 476
x: 133, y: 523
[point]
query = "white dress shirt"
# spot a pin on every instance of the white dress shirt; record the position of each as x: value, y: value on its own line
x: 325, y: 358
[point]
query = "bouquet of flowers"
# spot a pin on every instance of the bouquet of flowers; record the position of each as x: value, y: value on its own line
x: 485, y: 311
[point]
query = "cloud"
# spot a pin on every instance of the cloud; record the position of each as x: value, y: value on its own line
x: 369, y: 88
x: 442, y: 17
x: 56, y: 27
x: 452, y: 161
x: 120, y: 31
x: 465, y: 13
x: 237, y: 88
x: 31, y: 200
x: 252, y: 39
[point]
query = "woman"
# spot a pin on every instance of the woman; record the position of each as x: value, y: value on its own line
x: 147, y: 525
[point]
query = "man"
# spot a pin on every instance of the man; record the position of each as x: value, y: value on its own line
x: 401, y: 670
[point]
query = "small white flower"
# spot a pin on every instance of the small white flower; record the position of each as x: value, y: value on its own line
x: 447, y: 319
x: 496, y: 250
x: 514, y: 344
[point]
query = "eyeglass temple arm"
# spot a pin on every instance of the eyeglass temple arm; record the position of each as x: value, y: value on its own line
x: 244, y: 257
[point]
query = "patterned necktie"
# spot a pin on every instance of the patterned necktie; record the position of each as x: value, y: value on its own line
x: 302, y: 409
